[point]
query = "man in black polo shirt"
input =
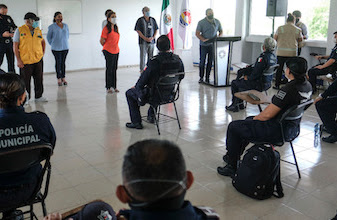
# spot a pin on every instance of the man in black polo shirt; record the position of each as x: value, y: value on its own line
x: 147, y: 29
x: 265, y: 126
x: 7, y: 28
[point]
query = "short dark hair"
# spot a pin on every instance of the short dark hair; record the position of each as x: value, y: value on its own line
x: 3, y: 6
x: 335, y: 32
x: 163, y: 43
x: 298, y: 67
x: 290, y: 18
x: 107, y: 12
x: 11, y: 88
x: 55, y: 14
x: 143, y: 9
x: 208, y: 9
x: 153, y: 159
x: 297, y: 14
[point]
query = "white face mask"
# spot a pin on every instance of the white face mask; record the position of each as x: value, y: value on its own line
x: 114, y: 20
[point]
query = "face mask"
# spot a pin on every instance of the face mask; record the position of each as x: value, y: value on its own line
x: 35, y: 24
x: 210, y: 17
x: 113, y: 20
x: 147, y: 14
x: 297, y: 20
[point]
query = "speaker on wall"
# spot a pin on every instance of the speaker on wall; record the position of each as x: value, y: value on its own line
x: 277, y: 8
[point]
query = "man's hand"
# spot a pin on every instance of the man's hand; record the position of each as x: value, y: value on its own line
x: 319, y: 67
x: 319, y: 98
x: 204, y: 40
x: 318, y: 57
x: 245, y: 77
x: 20, y: 63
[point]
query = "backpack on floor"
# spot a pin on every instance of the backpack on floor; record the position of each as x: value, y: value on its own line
x: 258, y: 175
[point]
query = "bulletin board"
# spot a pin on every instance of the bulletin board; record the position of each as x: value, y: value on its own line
x: 71, y: 11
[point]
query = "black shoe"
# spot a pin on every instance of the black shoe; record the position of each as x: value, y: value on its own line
x: 132, y: 125
x: 330, y: 139
x: 207, y: 80
x: 225, y: 158
x: 150, y: 119
x: 276, y: 87
x: 242, y: 106
x: 232, y: 108
x: 284, y: 81
x: 227, y: 170
x: 201, y: 80
x: 15, y: 215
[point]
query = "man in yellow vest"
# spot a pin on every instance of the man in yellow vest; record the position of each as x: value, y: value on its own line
x: 29, y: 47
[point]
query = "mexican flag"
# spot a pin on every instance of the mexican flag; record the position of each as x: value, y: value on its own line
x: 166, y: 22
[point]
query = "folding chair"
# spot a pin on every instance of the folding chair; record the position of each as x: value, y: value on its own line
x: 165, y: 91
x: 19, y: 160
x: 292, y: 114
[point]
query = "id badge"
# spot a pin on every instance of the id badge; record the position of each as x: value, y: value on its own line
x: 149, y: 26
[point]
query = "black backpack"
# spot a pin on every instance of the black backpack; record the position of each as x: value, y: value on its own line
x: 258, y: 175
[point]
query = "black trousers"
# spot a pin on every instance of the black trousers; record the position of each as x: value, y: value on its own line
x: 209, y: 52
x: 111, y: 69
x: 60, y: 63
x: 280, y: 61
x: 34, y: 70
x: 132, y: 99
x: 327, y: 109
x: 7, y: 48
x: 241, y: 132
x: 240, y: 85
x: 313, y: 73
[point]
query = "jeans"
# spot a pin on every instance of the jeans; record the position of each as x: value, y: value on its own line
x: 7, y: 48
x: 35, y: 70
x: 145, y: 48
x: 206, y: 51
x: 60, y: 63
x: 327, y: 109
x: 111, y: 69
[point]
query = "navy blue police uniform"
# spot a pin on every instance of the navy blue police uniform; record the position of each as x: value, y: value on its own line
x: 19, y: 129
x: 140, y: 94
x: 187, y: 211
x: 255, y: 76
x: 241, y: 132
x: 327, y: 108
x: 314, y: 72
x: 6, y: 43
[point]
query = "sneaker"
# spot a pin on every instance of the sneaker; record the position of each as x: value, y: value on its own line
x: 201, y: 80
x: 232, y: 108
x: 132, y: 125
x: 41, y: 99
x: 330, y: 139
x: 227, y: 170
x: 276, y: 87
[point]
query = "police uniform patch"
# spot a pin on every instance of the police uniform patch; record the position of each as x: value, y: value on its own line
x: 281, y: 94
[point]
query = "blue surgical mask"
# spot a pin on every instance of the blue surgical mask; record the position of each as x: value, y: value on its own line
x: 35, y: 24
x: 147, y: 14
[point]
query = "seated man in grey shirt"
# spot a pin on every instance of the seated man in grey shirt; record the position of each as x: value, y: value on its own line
x: 207, y: 29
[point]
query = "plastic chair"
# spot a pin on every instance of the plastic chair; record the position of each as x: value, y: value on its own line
x: 292, y: 114
x: 21, y: 159
x: 165, y: 91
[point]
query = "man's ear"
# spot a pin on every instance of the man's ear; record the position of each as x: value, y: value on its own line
x: 190, y: 179
x: 122, y: 195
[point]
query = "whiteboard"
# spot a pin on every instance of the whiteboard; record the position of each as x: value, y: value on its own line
x: 71, y: 11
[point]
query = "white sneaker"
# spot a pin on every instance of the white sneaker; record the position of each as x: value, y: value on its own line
x: 41, y: 99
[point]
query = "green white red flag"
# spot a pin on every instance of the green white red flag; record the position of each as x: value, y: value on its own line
x: 166, y: 22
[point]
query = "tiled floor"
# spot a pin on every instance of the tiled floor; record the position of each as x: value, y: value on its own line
x: 92, y: 138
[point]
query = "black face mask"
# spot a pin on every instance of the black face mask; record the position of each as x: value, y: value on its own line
x: 297, y: 20
x: 210, y: 17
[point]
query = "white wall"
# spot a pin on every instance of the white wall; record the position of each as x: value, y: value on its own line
x: 85, y: 49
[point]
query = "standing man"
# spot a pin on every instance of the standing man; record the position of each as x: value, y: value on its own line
x: 7, y: 28
x: 207, y: 29
x: 147, y: 29
x: 297, y: 14
x: 29, y: 47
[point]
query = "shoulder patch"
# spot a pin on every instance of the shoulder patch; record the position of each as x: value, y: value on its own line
x: 259, y: 60
x: 281, y: 94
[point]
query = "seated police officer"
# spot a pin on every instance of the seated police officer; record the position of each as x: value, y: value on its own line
x: 326, y: 105
x: 19, y: 129
x: 162, y: 64
x: 155, y: 181
x: 254, y: 76
x: 323, y: 69
x: 265, y: 127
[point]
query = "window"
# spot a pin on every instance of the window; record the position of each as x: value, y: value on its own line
x: 315, y: 14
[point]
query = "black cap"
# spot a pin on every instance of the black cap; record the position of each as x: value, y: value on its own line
x: 96, y: 210
x: 297, y: 65
x: 335, y: 32
x: 31, y: 15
